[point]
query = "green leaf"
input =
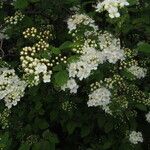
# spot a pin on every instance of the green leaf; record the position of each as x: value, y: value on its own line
x: 55, y: 50
x: 51, y: 137
x: 73, y: 58
x: 132, y: 2
x: 85, y: 130
x: 141, y: 107
x: 24, y: 147
x: 101, y: 121
x: 34, y: 1
x: 21, y: 4
x: 61, y: 78
x: 108, y: 126
x: 57, y: 67
x: 42, y: 124
x: 107, y: 145
x: 43, y: 145
x: 66, y: 45
x: 144, y: 47
x: 71, y: 127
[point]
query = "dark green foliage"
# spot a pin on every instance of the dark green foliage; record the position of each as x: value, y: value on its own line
x: 39, y: 122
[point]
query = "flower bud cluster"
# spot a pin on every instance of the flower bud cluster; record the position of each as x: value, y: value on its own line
x: 59, y: 59
x: 13, y: 20
x: 33, y: 32
x: 95, y: 86
x: 127, y: 64
x: 115, y: 81
x: 4, y: 118
x: 68, y: 106
x: 39, y: 68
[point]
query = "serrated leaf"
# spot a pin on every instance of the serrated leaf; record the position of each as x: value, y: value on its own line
x: 24, y: 147
x: 66, y: 45
x: 61, y: 78
x: 101, y: 121
x: 21, y: 4
x: 85, y: 130
x: 52, y: 137
x: 141, y: 107
x: 71, y: 127
x: 144, y: 47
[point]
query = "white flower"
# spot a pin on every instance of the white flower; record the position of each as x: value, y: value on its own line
x: 88, y: 61
x: 72, y: 85
x: 79, y: 19
x: 41, y: 68
x: 137, y: 71
x: 148, y: 117
x: 100, y: 97
x: 11, y: 87
x: 111, y: 47
x: 113, y: 54
x: 47, y: 77
x: 111, y: 6
x: 135, y: 137
x: 3, y: 35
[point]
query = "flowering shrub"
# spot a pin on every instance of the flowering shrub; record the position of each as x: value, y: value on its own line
x: 74, y: 75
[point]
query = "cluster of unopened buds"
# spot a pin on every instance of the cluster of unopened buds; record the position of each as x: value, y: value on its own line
x: 95, y: 86
x: 68, y: 106
x: 125, y: 64
x: 4, y: 118
x: 13, y: 20
x: 79, y: 49
x: 116, y: 80
x: 32, y: 65
x: 58, y: 59
x: 33, y: 32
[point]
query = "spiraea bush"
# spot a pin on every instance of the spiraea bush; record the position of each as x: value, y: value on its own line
x: 74, y: 75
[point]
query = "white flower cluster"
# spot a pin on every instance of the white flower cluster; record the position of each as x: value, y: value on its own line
x: 135, y: 137
x: 79, y: 19
x: 88, y: 61
x: 137, y: 71
x: 3, y: 35
x: 36, y: 66
x: 72, y: 85
x: 100, y: 97
x: 11, y: 87
x: 112, y: 7
x: 13, y: 20
x: 148, y: 117
x: 111, y: 48
x: 91, y: 57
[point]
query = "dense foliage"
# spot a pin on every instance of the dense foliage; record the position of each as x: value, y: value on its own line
x: 74, y: 75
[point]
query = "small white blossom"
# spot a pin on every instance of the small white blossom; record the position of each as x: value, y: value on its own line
x: 148, y: 117
x: 88, y: 61
x: 113, y: 54
x: 111, y: 6
x: 137, y: 71
x: 111, y: 47
x: 79, y: 19
x: 135, y: 137
x: 72, y: 85
x: 40, y: 68
x: 100, y: 97
x: 11, y: 87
